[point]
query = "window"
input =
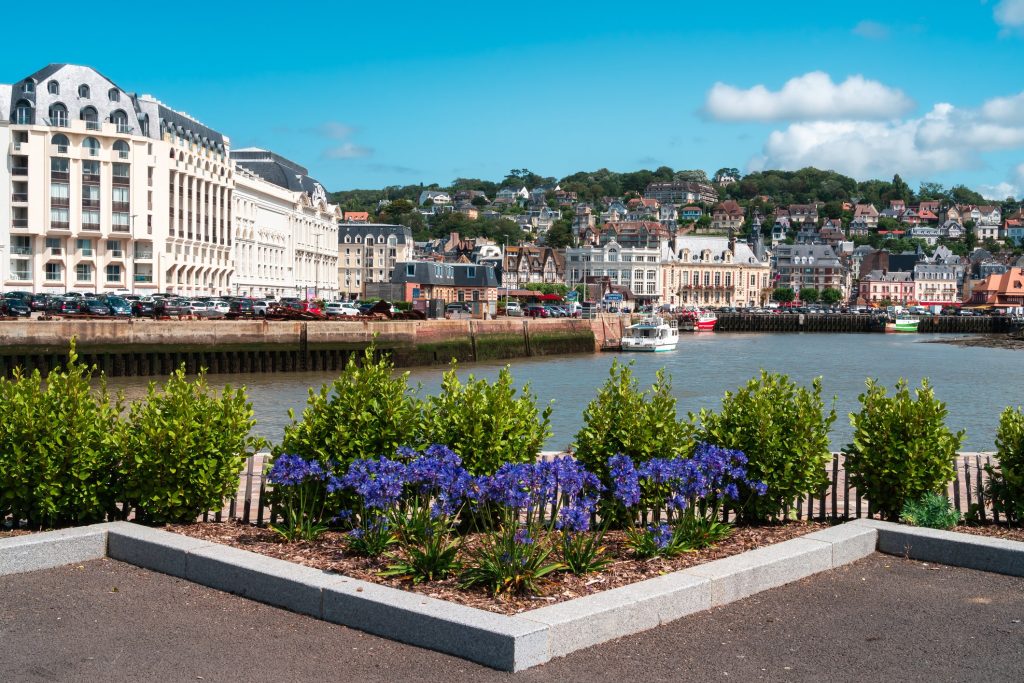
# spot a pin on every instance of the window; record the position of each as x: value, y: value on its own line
x: 59, y: 168
x: 144, y: 125
x: 54, y: 271
x: 83, y: 91
x: 121, y: 173
x: 23, y: 113
x: 84, y: 247
x: 91, y: 173
x: 91, y: 118
x: 121, y: 147
x: 114, y: 248
x: 59, y: 194
x: 120, y: 119
x: 113, y: 95
x: 92, y: 145
x: 120, y: 221
x: 470, y: 271
x: 83, y: 272
x: 119, y: 195
x: 53, y: 246
x: 21, y: 245
x: 410, y: 269
x: 28, y: 86
x: 53, y: 87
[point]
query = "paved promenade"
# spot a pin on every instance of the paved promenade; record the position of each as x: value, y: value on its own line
x: 882, y: 618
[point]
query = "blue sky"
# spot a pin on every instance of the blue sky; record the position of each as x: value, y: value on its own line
x: 372, y: 94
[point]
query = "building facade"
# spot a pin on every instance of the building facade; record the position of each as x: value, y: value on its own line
x: 714, y: 271
x: 893, y: 286
x: 636, y: 267
x: 368, y: 252
x: 935, y: 283
x: 116, y: 192
x: 287, y: 231
x: 810, y: 265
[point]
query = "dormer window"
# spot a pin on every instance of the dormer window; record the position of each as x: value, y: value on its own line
x: 58, y: 115
x: 23, y: 113
x: 83, y: 91
x: 28, y: 86
x: 113, y: 95
x: 120, y: 119
x: 53, y: 87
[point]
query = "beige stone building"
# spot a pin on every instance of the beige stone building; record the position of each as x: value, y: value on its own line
x: 714, y: 271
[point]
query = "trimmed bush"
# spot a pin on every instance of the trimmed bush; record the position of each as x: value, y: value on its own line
x: 57, y: 451
x: 623, y: 420
x: 366, y: 412
x: 183, y: 449
x: 782, y: 428
x: 485, y: 423
x: 932, y: 511
x: 901, y: 447
x: 1006, y: 483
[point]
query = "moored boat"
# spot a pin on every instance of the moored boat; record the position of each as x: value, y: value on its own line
x: 652, y: 333
x: 903, y: 323
x: 705, y: 321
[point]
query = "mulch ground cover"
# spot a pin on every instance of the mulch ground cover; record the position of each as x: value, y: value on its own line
x: 993, y: 530
x: 330, y: 554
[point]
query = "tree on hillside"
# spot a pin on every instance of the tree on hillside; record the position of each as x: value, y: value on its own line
x: 693, y: 176
x: 959, y: 194
x: 932, y: 192
x: 559, y: 235
x: 727, y: 172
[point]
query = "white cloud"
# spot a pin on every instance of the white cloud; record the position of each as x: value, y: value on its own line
x: 944, y: 138
x: 1013, y: 188
x: 1005, y: 109
x: 347, y: 150
x: 813, y: 96
x: 871, y: 30
x: 1010, y: 15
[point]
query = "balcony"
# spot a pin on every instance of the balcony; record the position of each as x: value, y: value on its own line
x: 120, y: 206
x: 93, y: 125
x: 121, y: 228
x: 63, y: 176
x: 143, y: 278
x: 143, y: 254
x: 90, y: 203
x: 19, y: 171
x: 121, y: 180
x: 124, y: 128
x: 60, y: 202
x: 116, y: 253
x: 21, y: 251
x: 90, y: 177
x: 56, y: 251
x: 21, y: 275
x: 91, y: 226
x: 60, y: 225
x: 19, y: 223
x: 21, y: 197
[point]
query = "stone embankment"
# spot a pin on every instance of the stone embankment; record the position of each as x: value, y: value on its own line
x: 150, y: 348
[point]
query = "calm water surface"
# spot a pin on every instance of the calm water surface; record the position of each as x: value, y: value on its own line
x: 976, y: 383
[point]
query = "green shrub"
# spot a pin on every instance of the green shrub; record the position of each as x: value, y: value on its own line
x: 783, y: 430
x: 901, y: 447
x: 1006, y: 483
x: 485, y: 423
x: 366, y: 412
x: 931, y: 510
x: 57, y: 451
x: 623, y: 419
x: 183, y: 449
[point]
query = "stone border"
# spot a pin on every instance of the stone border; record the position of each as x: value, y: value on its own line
x: 510, y: 643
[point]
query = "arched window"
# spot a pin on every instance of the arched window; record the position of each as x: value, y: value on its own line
x: 91, y: 118
x: 120, y: 119
x: 53, y: 87
x: 93, y: 145
x: 23, y: 113
x: 113, y: 95
x: 58, y: 115
x: 144, y: 124
x: 83, y: 91
x: 61, y: 142
x: 121, y: 147
x: 28, y: 86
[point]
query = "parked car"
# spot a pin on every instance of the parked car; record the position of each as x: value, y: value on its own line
x: 200, y: 307
x: 537, y: 311
x: 169, y: 307
x: 513, y: 309
x: 336, y: 309
x: 38, y: 302
x: 259, y: 307
x: 96, y: 307
x: 241, y: 308
x: 17, y: 307
x: 119, y: 306
x: 146, y: 306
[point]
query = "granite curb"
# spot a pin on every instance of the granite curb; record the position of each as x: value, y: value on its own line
x: 510, y: 643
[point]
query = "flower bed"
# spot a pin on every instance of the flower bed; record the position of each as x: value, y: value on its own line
x: 329, y: 552
x: 991, y: 531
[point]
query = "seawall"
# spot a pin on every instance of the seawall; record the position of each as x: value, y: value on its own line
x: 153, y: 348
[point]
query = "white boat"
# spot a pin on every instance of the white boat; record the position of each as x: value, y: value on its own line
x: 652, y: 333
x: 903, y: 323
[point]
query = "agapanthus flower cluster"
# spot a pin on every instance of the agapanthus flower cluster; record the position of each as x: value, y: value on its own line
x: 561, y: 484
x: 625, y: 480
x: 661, y: 535
x: 379, y: 483
x: 294, y: 470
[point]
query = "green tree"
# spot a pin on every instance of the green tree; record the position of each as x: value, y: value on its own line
x: 783, y: 294
x: 809, y: 295
x: 831, y: 295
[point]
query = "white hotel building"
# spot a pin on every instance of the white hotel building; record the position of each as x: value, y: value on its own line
x: 106, y: 191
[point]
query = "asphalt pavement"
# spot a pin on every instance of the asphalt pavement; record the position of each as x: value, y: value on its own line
x: 880, y: 619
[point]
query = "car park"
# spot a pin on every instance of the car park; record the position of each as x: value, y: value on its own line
x: 337, y: 309
x: 537, y: 311
x: 144, y: 307
x: 513, y: 309
x: 241, y: 308
x: 95, y: 307
x: 17, y: 307
x: 119, y: 306
x: 259, y: 307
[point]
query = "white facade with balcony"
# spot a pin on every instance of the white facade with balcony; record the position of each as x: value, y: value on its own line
x: 638, y: 268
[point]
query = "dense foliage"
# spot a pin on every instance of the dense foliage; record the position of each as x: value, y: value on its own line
x: 1006, y: 482
x: 486, y: 423
x: 902, y: 448
x: 58, y: 451
x: 931, y: 510
x: 182, y: 449
x: 783, y: 430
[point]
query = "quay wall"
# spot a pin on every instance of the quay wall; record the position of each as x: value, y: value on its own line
x: 152, y: 348
x: 847, y: 322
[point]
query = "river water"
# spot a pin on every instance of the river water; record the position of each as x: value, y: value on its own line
x: 976, y: 383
